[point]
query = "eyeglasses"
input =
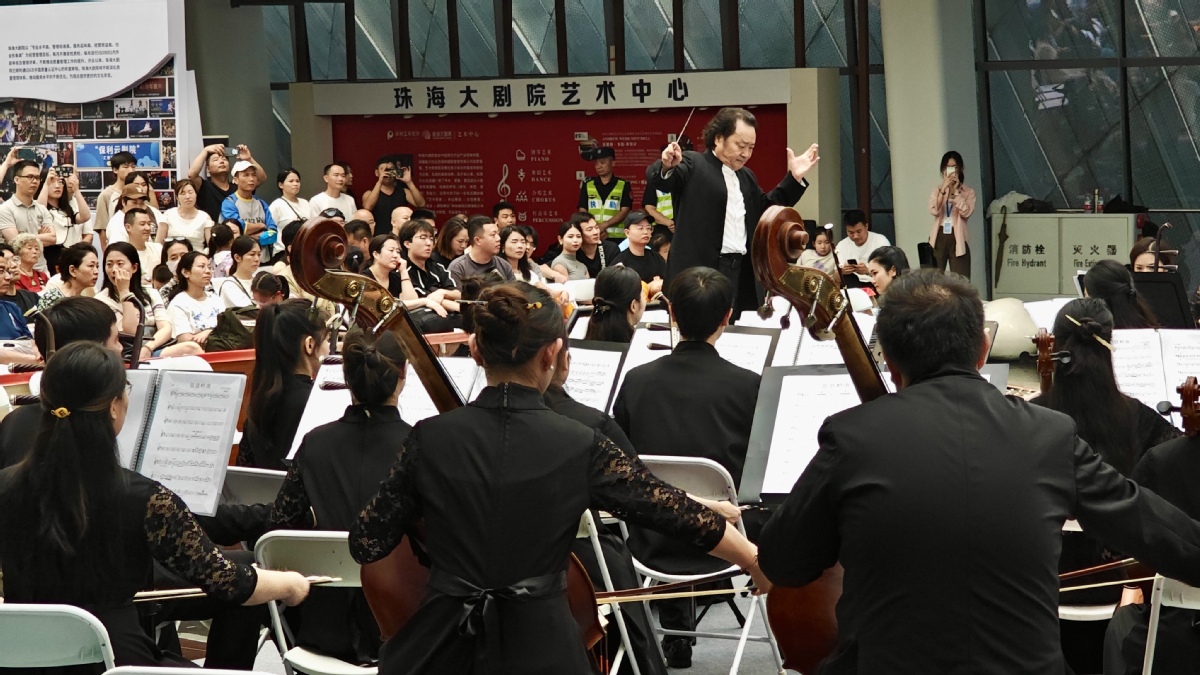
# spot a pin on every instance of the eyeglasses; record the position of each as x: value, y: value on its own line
x: 31, y: 176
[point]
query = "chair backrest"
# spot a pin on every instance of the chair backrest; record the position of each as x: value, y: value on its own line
x: 51, y: 636
x: 244, y: 485
x: 311, y: 553
x: 1177, y: 594
x: 150, y: 670
x: 694, y: 475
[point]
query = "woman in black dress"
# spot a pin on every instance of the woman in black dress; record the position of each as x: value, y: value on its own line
x: 500, y: 485
x: 289, y: 342
x: 76, y: 528
x: 336, y: 470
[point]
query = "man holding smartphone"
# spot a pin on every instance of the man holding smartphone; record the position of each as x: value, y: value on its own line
x: 384, y: 198
x: 854, y: 251
x: 212, y: 191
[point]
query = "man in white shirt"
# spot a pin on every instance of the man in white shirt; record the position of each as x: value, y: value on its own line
x: 23, y: 214
x: 855, y: 250
x: 137, y: 227
x: 132, y: 197
x: 333, y: 197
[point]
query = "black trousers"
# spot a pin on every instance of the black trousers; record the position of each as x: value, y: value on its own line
x: 730, y: 264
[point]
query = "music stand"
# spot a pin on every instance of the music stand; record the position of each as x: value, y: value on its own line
x: 1165, y: 294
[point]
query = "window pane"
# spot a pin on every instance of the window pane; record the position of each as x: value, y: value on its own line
x: 702, y: 35
x: 767, y: 31
x: 326, y: 39
x: 1185, y: 228
x: 477, y: 38
x: 427, y: 35
x: 1166, y: 28
x: 375, y: 41
x: 535, y: 46
x: 825, y: 33
x: 277, y: 29
x: 1057, y: 134
x: 649, y: 37
x: 1165, y: 128
x: 1080, y: 29
x: 281, y: 112
x: 587, y: 37
x: 881, y: 151
x: 875, y: 28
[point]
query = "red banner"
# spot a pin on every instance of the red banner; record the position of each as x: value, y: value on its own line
x: 467, y: 163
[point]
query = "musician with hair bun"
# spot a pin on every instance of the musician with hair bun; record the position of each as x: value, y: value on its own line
x: 336, y: 470
x: 618, y: 305
x: 500, y: 485
x: 1110, y: 281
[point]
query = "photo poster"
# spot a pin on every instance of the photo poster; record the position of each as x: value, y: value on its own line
x: 532, y: 159
x: 141, y: 120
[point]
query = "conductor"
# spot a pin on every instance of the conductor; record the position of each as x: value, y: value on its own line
x: 717, y: 200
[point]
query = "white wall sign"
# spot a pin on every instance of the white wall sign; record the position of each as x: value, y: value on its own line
x: 600, y: 92
x: 84, y: 52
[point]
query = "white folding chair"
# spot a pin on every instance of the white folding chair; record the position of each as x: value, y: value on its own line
x: 311, y: 553
x: 51, y: 636
x: 1166, y: 593
x: 704, y: 478
x: 588, y: 530
x: 150, y: 670
x: 244, y: 485
x: 1083, y: 612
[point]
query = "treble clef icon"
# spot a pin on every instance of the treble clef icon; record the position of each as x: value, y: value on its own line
x: 502, y: 187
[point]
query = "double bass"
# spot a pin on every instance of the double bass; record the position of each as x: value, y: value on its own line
x: 395, y: 586
x: 804, y: 619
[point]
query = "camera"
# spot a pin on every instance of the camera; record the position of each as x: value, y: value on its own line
x: 64, y: 171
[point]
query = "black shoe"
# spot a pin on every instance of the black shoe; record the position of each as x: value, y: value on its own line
x: 678, y: 651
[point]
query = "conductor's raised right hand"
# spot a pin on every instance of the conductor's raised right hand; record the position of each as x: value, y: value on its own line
x: 672, y: 155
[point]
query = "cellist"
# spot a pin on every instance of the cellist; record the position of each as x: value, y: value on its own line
x: 945, y: 504
x: 501, y: 484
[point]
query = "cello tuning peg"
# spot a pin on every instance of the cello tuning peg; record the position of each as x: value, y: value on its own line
x: 1165, y: 408
x: 785, y: 322
x: 766, y: 310
x: 1061, y: 357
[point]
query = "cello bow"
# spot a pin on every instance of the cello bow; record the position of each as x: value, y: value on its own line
x: 395, y: 586
x: 804, y: 619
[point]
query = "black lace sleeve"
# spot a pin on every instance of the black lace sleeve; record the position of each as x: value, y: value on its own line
x: 383, y: 522
x: 176, y: 541
x: 623, y: 486
x: 292, y: 510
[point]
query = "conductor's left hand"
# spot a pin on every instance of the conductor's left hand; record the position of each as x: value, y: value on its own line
x: 799, y: 165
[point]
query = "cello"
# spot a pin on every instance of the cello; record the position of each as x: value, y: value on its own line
x: 804, y: 619
x: 395, y: 586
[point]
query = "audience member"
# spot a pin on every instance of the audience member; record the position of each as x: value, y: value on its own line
x: 185, y: 220
x: 269, y: 289
x: 212, y: 191
x: 820, y: 256
x: 431, y: 282
x: 28, y: 247
x: 124, y: 292
x: 135, y: 196
x: 249, y: 211
x: 386, y: 196
x: 452, y: 241
x: 22, y: 214
x: 13, y: 325
x: 513, y: 246
x: 388, y: 266
x: 1112, y: 283
x: 856, y: 248
x: 334, y: 196
x: 289, y: 343
x: 484, y: 254
x: 219, y: 244
x: 400, y: 216
x: 594, y: 253
x: 290, y: 205
x: 649, y: 266
x: 570, y: 239
x: 194, y: 310
x: 122, y: 164
x: 79, y: 268
x: 661, y: 245
x: 618, y: 304
x: 951, y: 203
x: 137, y: 230
x: 505, y: 214
x: 68, y: 210
x: 22, y: 298
x: 234, y: 289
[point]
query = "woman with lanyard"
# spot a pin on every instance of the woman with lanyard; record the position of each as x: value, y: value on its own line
x: 77, y: 528
x: 235, y: 289
x: 501, y: 484
x: 951, y: 203
x: 290, y: 206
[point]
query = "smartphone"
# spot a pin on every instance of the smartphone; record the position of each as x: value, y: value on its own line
x: 949, y: 171
x: 231, y: 151
x: 64, y: 171
x: 852, y: 261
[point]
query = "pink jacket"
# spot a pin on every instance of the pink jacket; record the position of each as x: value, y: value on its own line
x: 964, y: 206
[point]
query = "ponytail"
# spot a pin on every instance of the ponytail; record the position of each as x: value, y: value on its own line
x: 278, y: 346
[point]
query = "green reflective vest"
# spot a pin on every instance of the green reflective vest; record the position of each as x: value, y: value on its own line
x: 602, y: 210
x: 664, y: 204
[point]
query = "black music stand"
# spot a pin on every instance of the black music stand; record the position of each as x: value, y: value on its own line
x: 1165, y: 294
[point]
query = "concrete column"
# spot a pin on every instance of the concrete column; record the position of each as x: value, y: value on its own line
x: 312, y: 138
x: 929, y: 61
x: 233, y: 82
x: 814, y: 117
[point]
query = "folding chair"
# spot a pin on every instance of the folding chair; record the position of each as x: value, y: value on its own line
x: 148, y: 670
x: 1083, y: 612
x: 588, y: 530
x: 51, y: 636
x: 309, y: 553
x: 1166, y: 593
x: 704, y: 478
x: 244, y: 485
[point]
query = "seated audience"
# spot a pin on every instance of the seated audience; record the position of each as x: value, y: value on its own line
x: 28, y: 249
x: 387, y: 266
x: 452, y: 241
x: 432, y: 289
x: 484, y: 254
x: 820, y: 256
x: 185, y: 220
x: 358, y: 236
x: 194, y: 310
x: 570, y: 239
x: 617, y: 304
x: 885, y: 264
x: 400, y: 216
x: 79, y: 268
x: 138, y: 224
x: 123, y: 291
x: 854, y: 251
x: 512, y: 247
x: 136, y: 195
x: 173, y: 250
x: 531, y: 244
x: 235, y: 288
x: 23, y: 299
x: 1112, y: 283
x: 269, y: 289
x: 289, y: 343
x: 331, y: 479
x: 219, y: 243
x: 649, y: 266
x: 661, y: 244
x: 595, y: 253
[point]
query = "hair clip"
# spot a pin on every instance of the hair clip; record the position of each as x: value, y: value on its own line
x: 61, y: 413
x: 533, y: 305
x: 1099, y: 339
x: 472, y: 302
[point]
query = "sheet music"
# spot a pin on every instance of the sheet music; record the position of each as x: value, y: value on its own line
x: 593, y: 372
x: 580, y: 328
x: 414, y: 402
x: 656, y: 316
x: 141, y: 395
x: 190, y: 436
x: 324, y: 406
x: 1138, y: 364
x: 804, y: 403
x: 814, y: 352
x: 745, y: 350
x: 1181, y: 358
x: 465, y: 373
x: 1043, y: 312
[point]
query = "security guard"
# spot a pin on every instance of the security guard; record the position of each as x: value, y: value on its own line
x: 659, y: 206
x: 605, y: 196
